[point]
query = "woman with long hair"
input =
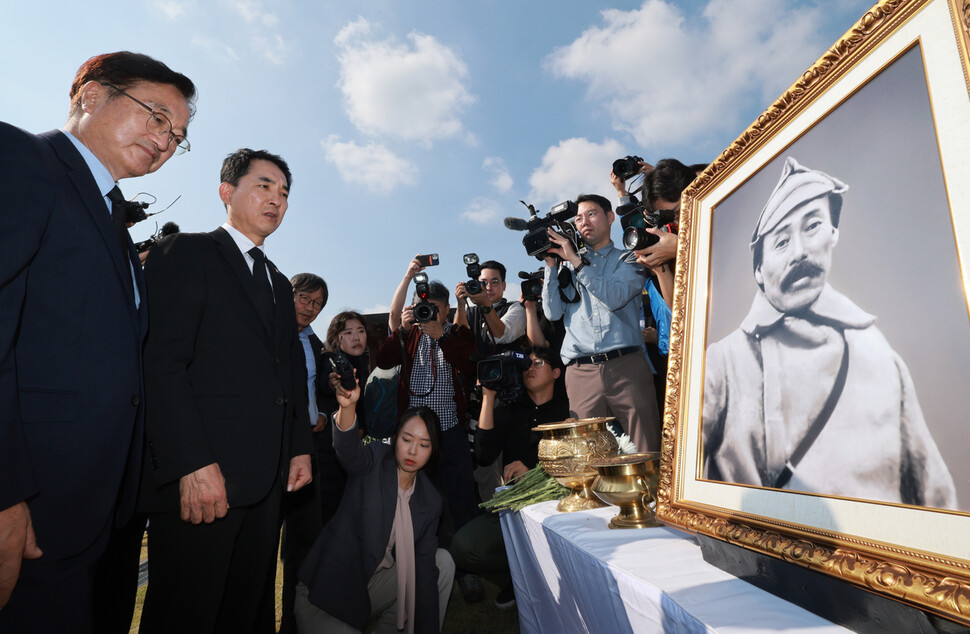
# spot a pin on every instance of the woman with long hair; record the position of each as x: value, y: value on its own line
x: 377, y: 564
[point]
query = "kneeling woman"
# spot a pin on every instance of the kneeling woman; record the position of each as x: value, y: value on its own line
x: 377, y: 563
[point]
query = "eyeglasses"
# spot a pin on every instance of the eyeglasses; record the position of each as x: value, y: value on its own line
x: 306, y: 300
x: 159, y: 124
x: 539, y: 363
x: 490, y: 283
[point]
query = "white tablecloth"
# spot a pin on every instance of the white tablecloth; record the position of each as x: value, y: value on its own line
x: 572, y: 573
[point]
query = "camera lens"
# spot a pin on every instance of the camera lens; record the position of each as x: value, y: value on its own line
x: 474, y: 287
x: 626, y: 168
x: 636, y: 238
x: 490, y: 370
x: 425, y: 312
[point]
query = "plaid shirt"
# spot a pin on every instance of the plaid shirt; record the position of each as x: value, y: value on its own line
x: 452, y: 359
x: 431, y: 382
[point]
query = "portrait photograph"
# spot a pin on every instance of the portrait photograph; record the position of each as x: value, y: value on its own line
x: 821, y: 332
x: 891, y: 282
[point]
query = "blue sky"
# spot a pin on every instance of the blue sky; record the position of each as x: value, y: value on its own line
x: 417, y: 126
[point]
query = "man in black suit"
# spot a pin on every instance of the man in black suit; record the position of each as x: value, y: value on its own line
x: 226, y: 418
x: 72, y: 320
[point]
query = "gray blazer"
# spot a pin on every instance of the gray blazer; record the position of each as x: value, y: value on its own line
x: 352, y: 544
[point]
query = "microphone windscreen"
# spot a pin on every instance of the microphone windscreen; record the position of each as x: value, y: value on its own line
x: 516, y: 224
x: 169, y: 228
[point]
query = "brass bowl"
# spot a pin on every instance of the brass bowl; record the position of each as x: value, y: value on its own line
x: 565, y: 451
x: 628, y: 481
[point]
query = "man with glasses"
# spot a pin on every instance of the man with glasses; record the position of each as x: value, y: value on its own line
x: 598, y: 298
x: 71, y: 389
x: 497, y: 323
x: 302, y: 516
x: 226, y: 422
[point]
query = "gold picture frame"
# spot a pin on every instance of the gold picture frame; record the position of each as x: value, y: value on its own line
x: 845, y: 117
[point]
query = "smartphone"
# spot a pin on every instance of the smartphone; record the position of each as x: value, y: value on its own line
x: 428, y: 260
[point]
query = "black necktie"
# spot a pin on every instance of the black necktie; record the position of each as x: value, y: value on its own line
x: 264, y: 289
x: 119, y: 216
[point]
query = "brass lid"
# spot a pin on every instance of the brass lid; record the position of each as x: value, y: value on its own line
x: 624, y: 464
x: 571, y: 427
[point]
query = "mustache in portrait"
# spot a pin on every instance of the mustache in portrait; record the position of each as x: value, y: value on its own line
x: 805, y: 268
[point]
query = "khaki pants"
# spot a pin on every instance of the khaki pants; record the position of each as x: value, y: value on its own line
x: 621, y: 387
x: 382, y: 589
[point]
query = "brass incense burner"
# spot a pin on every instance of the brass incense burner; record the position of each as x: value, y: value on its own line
x: 628, y: 481
x: 566, y: 450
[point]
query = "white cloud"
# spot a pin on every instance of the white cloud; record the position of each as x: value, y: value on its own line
x: 666, y: 80
x: 413, y: 91
x: 218, y: 50
x: 501, y: 179
x: 171, y: 8
x: 482, y: 211
x: 574, y: 166
x: 273, y: 48
x: 252, y: 11
x: 359, y: 164
x: 262, y: 25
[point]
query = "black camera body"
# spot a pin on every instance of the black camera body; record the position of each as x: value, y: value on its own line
x: 167, y: 229
x: 503, y: 373
x: 473, y: 270
x: 635, y: 217
x: 341, y: 365
x: 532, y: 285
x: 627, y: 167
x: 424, y: 310
x: 536, y: 240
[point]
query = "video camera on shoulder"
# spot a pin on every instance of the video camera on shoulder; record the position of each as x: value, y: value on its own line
x: 473, y: 270
x: 424, y: 310
x: 531, y: 285
x: 536, y: 241
x: 167, y: 229
x: 503, y: 373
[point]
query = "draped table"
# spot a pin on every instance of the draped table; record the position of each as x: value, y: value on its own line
x: 572, y: 573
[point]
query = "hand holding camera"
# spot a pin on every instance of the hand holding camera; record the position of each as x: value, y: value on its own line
x: 661, y: 249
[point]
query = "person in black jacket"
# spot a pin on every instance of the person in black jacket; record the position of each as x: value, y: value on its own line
x: 507, y: 429
x: 378, y: 558
x: 347, y: 336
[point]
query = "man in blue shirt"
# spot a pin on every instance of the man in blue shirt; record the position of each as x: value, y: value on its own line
x: 606, y: 371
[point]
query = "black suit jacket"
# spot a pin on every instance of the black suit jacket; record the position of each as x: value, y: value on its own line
x: 222, y: 386
x: 352, y: 544
x: 70, y: 346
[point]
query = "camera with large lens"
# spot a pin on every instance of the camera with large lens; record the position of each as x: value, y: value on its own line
x: 627, y: 167
x: 503, y: 373
x: 473, y: 270
x: 424, y: 310
x: 635, y: 217
x: 341, y: 365
x: 536, y: 240
x: 531, y: 285
x: 636, y: 238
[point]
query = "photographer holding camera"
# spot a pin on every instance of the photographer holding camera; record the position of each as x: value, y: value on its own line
x: 607, y: 373
x: 436, y: 368
x: 497, y: 323
x: 506, y: 430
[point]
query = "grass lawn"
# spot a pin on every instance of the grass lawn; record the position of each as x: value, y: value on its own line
x: 461, y: 617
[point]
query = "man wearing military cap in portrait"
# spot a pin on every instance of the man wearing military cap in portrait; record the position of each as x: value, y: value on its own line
x: 807, y: 394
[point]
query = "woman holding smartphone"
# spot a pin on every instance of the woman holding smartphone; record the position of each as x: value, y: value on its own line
x: 377, y: 564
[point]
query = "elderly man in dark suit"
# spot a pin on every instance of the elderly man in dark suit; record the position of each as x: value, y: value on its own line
x: 226, y: 420
x: 71, y: 382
